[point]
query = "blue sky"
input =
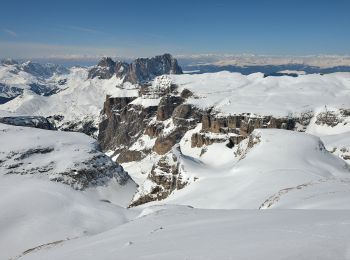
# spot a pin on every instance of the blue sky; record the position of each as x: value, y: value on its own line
x: 143, y: 28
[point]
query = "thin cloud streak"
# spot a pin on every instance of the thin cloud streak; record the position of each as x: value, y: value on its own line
x: 10, y: 32
x: 82, y: 29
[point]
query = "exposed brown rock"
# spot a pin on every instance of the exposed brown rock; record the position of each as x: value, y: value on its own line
x: 186, y: 93
x: 183, y: 111
x: 164, y: 144
x: 243, y: 124
x: 234, y: 140
x: 123, y: 124
x: 115, y: 103
x: 329, y: 118
x: 200, y: 139
x: 167, y: 105
x: 154, y: 130
x: 129, y: 156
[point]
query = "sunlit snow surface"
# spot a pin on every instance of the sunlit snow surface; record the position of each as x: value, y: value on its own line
x: 233, y: 93
x: 298, y: 180
x: 186, y: 233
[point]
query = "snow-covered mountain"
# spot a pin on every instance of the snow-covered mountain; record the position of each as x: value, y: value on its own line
x: 41, y: 79
x: 188, y: 154
x: 76, y: 106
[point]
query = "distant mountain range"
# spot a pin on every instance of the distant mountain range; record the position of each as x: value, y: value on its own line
x: 247, y: 64
x: 243, y: 63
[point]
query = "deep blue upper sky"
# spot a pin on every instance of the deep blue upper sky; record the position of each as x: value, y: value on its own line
x: 124, y: 28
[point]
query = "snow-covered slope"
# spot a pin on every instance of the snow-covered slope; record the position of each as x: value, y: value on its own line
x: 234, y: 93
x: 69, y: 158
x: 186, y: 233
x: 56, y: 186
x: 36, y: 212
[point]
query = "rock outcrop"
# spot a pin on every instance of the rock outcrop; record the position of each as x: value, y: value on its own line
x: 29, y: 121
x: 165, y: 177
x: 331, y: 118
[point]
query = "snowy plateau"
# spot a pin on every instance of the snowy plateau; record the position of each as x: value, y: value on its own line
x: 142, y: 161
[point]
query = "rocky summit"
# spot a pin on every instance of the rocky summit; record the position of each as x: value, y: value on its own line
x: 139, y: 71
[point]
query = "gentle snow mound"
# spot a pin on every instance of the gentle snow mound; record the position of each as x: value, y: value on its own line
x: 273, y: 169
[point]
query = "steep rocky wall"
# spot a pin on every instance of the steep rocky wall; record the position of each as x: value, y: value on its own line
x: 237, y: 127
x: 123, y: 123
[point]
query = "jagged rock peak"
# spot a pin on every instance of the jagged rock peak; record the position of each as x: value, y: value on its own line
x: 145, y: 69
x: 106, y: 62
x: 105, y: 69
x: 139, y: 71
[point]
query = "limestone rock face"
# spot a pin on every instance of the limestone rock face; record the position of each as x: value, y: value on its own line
x: 121, y: 69
x: 144, y: 69
x: 184, y: 111
x: 154, y: 129
x: 167, y: 105
x: 130, y: 156
x: 235, y: 128
x: 123, y: 123
x: 166, y: 177
x: 201, y: 139
x: 243, y: 124
x: 115, y: 104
